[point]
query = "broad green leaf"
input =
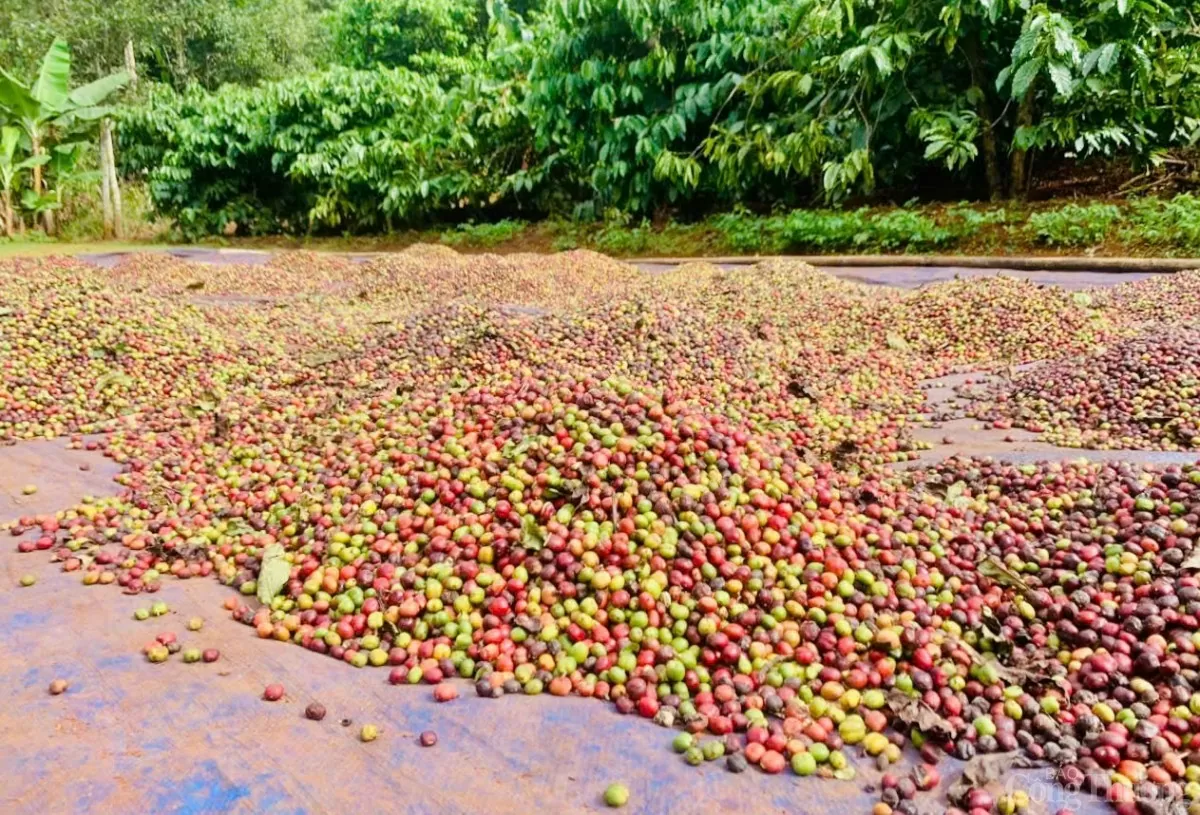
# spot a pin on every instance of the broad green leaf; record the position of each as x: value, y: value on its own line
x: 89, y: 114
x: 850, y: 57
x: 8, y: 143
x: 34, y: 161
x: 274, y: 573
x: 532, y: 537
x: 1002, y: 77
x: 1060, y: 75
x: 1064, y: 44
x: 1025, y: 75
x: 54, y: 79
x: 1108, y: 56
x: 882, y: 61
x: 15, y: 98
x: 93, y: 93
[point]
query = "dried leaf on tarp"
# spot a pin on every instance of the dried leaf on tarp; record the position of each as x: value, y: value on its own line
x: 983, y: 770
x: 195, y: 285
x: 318, y: 360
x: 810, y: 457
x: 916, y: 713
x: 992, y: 567
x: 113, y: 378
x: 801, y: 390
x: 1192, y: 561
x: 1026, y: 672
x: 274, y: 573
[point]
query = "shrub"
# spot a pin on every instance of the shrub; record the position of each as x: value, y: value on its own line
x: 1167, y: 225
x: 859, y: 230
x: 483, y: 235
x: 341, y: 150
x: 1073, y: 224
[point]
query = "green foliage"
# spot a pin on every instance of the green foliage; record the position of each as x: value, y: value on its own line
x: 483, y: 235
x: 341, y: 150
x: 1074, y: 225
x: 180, y: 42
x: 1170, y: 227
x: 744, y: 233
x: 649, y: 108
x: 46, y: 115
x: 862, y: 230
x: 438, y: 36
x: 645, y: 105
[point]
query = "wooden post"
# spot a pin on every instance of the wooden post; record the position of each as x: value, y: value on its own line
x: 130, y: 65
x: 114, y: 184
x: 114, y: 188
x: 106, y: 197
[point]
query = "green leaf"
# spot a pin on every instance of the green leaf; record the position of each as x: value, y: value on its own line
x: 1108, y: 56
x: 1060, y: 75
x: 8, y: 144
x: 274, y: 573
x: 16, y: 98
x: 93, y: 93
x: 882, y: 61
x: 1025, y: 75
x: 1002, y: 77
x: 532, y: 537
x: 34, y: 161
x: 956, y: 495
x: 1024, y: 44
x: 54, y: 80
x: 850, y: 57
x: 88, y: 114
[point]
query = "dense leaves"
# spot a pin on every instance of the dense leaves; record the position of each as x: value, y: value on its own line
x: 420, y: 34
x: 344, y: 149
x: 595, y: 107
x: 180, y: 42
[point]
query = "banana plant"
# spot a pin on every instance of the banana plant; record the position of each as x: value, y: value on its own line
x: 10, y: 169
x: 51, y: 103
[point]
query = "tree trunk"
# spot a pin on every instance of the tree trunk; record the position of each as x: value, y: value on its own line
x: 35, y: 141
x: 987, y: 135
x: 106, y: 206
x: 8, y: 213
x: 1018, y: 174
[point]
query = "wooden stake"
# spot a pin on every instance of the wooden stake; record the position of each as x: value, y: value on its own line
x: 130, y: 65
x: 114, y: 185
x: 106, y: 197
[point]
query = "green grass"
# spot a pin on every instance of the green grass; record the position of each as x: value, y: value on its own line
x: 43, y: 247
x: 1138, y: 227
